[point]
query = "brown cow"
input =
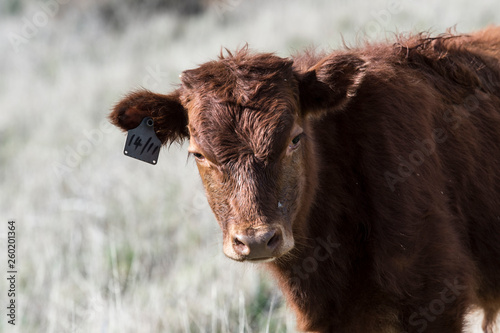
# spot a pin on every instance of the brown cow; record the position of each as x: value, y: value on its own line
x: 367, y: 180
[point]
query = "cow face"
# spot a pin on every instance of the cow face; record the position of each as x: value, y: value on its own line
x: 246, y: 117
x: 248, y: 141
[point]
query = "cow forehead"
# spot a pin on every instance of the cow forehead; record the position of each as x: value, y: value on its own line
x: 240, y: 105
x: 231, y: 132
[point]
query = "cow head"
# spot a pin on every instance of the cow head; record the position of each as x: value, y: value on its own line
x: 247, y: 120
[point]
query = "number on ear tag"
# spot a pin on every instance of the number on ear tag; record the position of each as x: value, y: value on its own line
x: 142, y: 142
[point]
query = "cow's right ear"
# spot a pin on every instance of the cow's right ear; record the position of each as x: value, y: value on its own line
x: 169, y: 116
x: 330, y: 83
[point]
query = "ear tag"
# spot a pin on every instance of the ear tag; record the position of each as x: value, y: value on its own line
x: 142, y: 142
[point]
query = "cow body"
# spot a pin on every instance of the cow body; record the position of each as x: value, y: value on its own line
x: 366, y: 180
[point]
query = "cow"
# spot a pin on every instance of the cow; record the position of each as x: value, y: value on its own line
x: 365, y: 179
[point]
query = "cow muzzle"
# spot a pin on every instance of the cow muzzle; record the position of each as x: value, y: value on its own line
x: 257, y: 245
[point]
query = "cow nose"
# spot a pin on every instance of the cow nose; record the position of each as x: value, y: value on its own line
x: 257, y: 245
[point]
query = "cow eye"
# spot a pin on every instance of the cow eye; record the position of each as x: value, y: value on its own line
x: 295, y: 141
x: 198, y: 156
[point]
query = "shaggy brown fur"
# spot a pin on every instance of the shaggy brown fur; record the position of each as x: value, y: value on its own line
x: 367, y: 179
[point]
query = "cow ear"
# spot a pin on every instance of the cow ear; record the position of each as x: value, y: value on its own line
x: 169, y: 116
x: 330, y: 83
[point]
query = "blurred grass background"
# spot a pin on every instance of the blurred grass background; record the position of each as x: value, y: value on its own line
x: 110, y: 244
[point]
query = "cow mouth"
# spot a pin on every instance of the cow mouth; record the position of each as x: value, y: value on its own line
x: 261, y: 260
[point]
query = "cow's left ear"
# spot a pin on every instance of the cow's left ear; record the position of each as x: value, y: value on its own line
x: 330, y: 83
x: 169, y: 116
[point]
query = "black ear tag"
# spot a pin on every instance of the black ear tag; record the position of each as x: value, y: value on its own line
x: 142, y: 142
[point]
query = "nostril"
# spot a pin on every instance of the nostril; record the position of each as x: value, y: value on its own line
x: 273, y: 242
x: 239, y: 246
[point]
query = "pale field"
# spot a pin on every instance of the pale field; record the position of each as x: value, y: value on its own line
x: 110, y: 244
